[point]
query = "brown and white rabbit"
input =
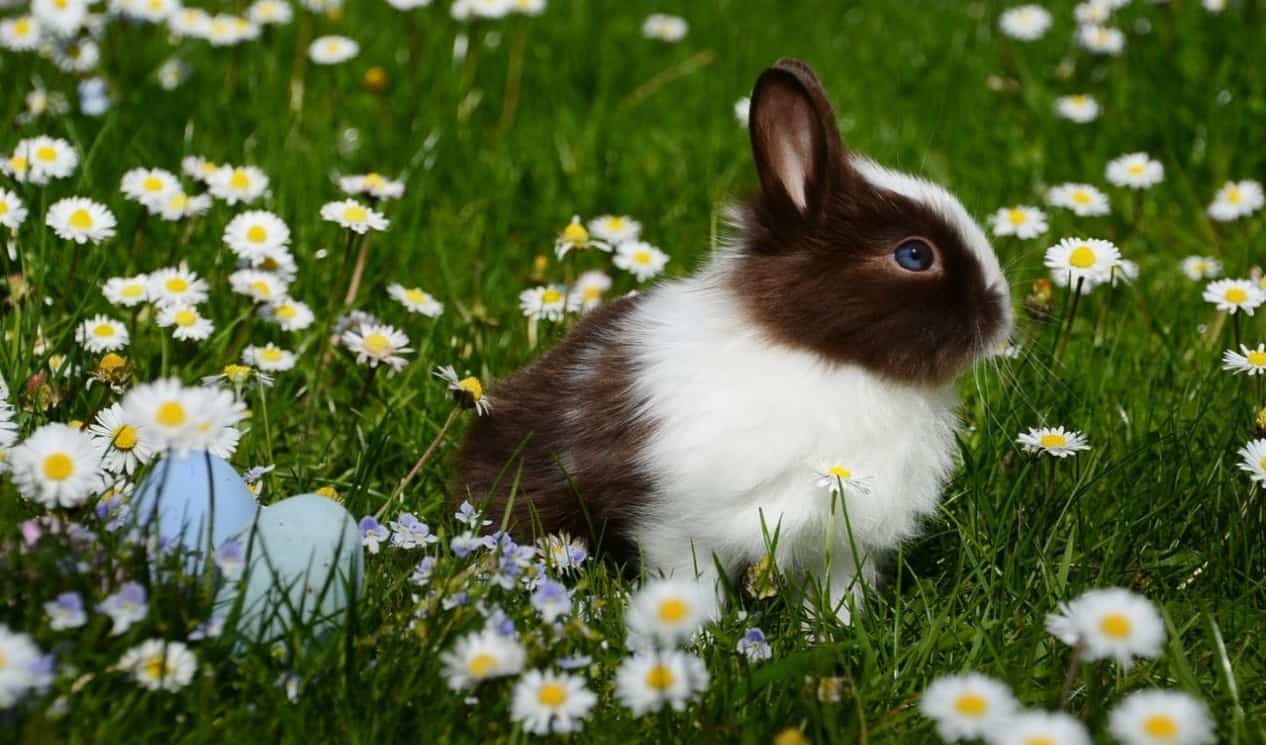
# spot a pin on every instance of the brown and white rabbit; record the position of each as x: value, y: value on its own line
x: 685, y: 423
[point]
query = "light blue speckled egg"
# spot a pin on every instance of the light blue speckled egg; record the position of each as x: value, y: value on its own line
x: 192, y: 498
x: 305, y: 561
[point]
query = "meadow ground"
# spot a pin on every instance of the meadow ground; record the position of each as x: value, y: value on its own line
x: 502, y: 130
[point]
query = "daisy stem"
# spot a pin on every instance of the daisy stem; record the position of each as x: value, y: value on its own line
x: 353, y: 286
x: 1072, y: 315
x: 74, y: 259
x: 364, y: 390
x: 426, y: 455
x: 514, y: 77
x: 1235, y: 326
x: 1070, y: 677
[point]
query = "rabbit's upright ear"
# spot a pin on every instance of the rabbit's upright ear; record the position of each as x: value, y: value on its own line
x: 795, y: 141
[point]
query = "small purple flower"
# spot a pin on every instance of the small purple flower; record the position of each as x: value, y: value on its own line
x: 754, y: 647
x: 125, y: 607
x: 466, y: 515
x: 574, y: 662
x: 467, y: 543
x: 42, y: 670
x: 231, y: 560
x: 66, y: 612
x: 408, y: 533
x: 454, y: 600
x: 422, y: 572
x: 500, y: 622
x: 210, y: 628
x: 551, y: 599
x: 372, y: 534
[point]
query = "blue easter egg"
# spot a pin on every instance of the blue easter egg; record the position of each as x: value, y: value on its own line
x: 305, y: 560
x: 192, y: 499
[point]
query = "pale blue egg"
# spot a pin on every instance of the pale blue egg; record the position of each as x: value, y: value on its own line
x: 190, y: 499
x: 305, y: 561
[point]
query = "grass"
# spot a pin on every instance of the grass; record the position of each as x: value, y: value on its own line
x: 575, y: 112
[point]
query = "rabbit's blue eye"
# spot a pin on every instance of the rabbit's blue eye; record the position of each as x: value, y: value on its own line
x: 914, y: 256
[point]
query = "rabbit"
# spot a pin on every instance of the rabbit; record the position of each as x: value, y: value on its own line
x: 681, y: 427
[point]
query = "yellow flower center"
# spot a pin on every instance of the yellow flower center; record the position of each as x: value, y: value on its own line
x: 4, y: 208
x: 1081, y: 197
x: 1161, y: 727
x: 131, y: 291
x: 1040, y: 740
x: 660, y: 678
x: 178, y: 201
x: 46, y: 152
x: 285, y: 312
x: 270, y: 354
x: 1053, y: 440
x: 1017, y: 217
x: 332, y: 47
x: 377, y: 344
x: 1135, y: 168
x: 971, y: 705
x: 209, y: 168
x: 261, y: 288
x: 472, y: 386
x: 156, y: 668
x: 416, y: 296
x: 125, y: 437
x: 374, y: 181
x: 256, y: 234
x: 673, y: 610
x: 240, y: 180
x: 840, y: 472
x: 591, y: 293
x: 1233, y: 195
x: 481, y: 664
x: 80, y: 219
x: 615, y: 223
x: 551, y: 296
x: 177, y: 284
x: 1236, y: 295
x: 552, y: 695
x: 642, y: 257
x: 153, y: 183
x: 18, y: 163
x: 1082, y: 257
x: 238, y: 374
x: 58, y: 467
x: 104, y: 330
x: 186, y: 318
x: 22, y: 26
x: 575, y: 234
x: 171, y: 414
x: 1257, y: 359
x: 1116, y: 625
x: 355, y: 213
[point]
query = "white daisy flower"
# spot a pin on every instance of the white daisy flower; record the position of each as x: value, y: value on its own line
x: 1083, y: 199
x: 1136, y: 171
x: 615, y: 229
x: 354, y: 216
x: 647, y: 681
x: 78, y: 55
x: 469, y: 391
x: 235, y: 184
x: 175, y: 286
x: 225, y: 30
x: 12, y: 211
x: 1160, y: 717
x: 159, y: 665
x: 374, y: 184
x: 198, y: 168
x: 1079, y: 108
x: 213, y: 426
x: 146, y: 185
x: 120, y: 441
x: 21, y: 34
x: 586, y: 293
x: 408, y: 4
x: 415, y: 300
x: 969, y: 706
x: 1236, y: 199
x: 549, y: 702
x: 165, y: 410
x: 1021, y: 221
x: 1104, y: 40
x: 190, y: 22
x: 265, y: 12
x: 529, y: 7
x: 378, y: 343
x: 48, y: 158
x: 830, y: 474
x: 669, y: 611
x: 57, y: 466
x: 489, y: 8
x: 1025, y: 22
x: 290, y: 315
x: 127, y: 292
x: 80, y: 220
x: 1201, y: 267
x: 544, y: 302
x: 663, y: 27
x: 186, y: 322
x: 152, y: 11
x: 743, y: 111
x: 1250, y: 361
x: 101, y: 334
x: 641, y: 259
x: 1109, y: 622
x: 1214, y: 6
x: 1253, y: 460
x: 61, y: 17
x: 1055, y: 441
x: 250, y: 233
x: 1040, y: 728
x: 20, y: 662
x: 1234, y: 295
x: 1093, y: 13
x: 1088, y: 260
x: 480, y: 656
x: 331, y: 50
x: 269, y: 358
x: 576, y: 237
x: 262, y: 287
x: 178, y: 205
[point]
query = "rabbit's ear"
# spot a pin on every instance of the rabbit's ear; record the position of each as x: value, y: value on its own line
x: 795, y: 141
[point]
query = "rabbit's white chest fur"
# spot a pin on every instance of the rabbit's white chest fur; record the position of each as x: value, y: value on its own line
x: 741, y: 425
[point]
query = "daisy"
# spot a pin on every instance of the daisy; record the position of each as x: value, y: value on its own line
x: 378, y: 343
x: 270, y: 358
x: 12, y: 211
x: 576, y: 237
x: 468, y: 391
x: 1083, y: 199
x: 663, y: 27
x: 1076, y: 260
x: 669, y: 611
x: 175, y: 286
x: 186, y: 322
x: 646, y: 681
x: 1021, y: 221
x: 190, y: 22
x: 415, y: 300
x: 1079, y: 108
x: 1136, y: 171
x: 78, y: 56
x: 1101, y: 39
x: 20, y: 660
x: 163, y: 409
x: 374, y: 184
x: 56, y: 466
x: 80, y: 220
x: 1026, y: 22
x: 1214, y: 6
x: 1251, y: 361
x: 642, y: 259
x: 198, y: 168
x: 479, y: 656
x: 1160, y: 717
x: 1093, y: 13
x: 235, y: 184
x: 250, y: 233
x: 178, y: 205
x: 264, y: 12
x: 1253, y: 460
x: 1109, y: 622
x: 1040, y: 728
x: 101, y: 334
x: 159, y: 665
x: 147, y: 185
x: 290, y: 315
x: 1236, y: 199
x: 48, y: 158
x: 126, y: 291
x: 215, y: 414
x: 61, y: 17
x: 544, y: 302
x: 615, y: 229
x: 1234, y: 295
x: 489, y: 8
x: 331, y: 50
x: 408, y: 4
x: 549, y: 702
x: 830, y: 475
x: 969, y: 706
x: 354, y: 216
x: 262, y: 287
x: 278, y: 261
x: 120, y: 440
x: 586, y: 294
x: 154, y: 11
x: 21, y: 34
x: 1201, y: 267
x: 1055, y: 441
